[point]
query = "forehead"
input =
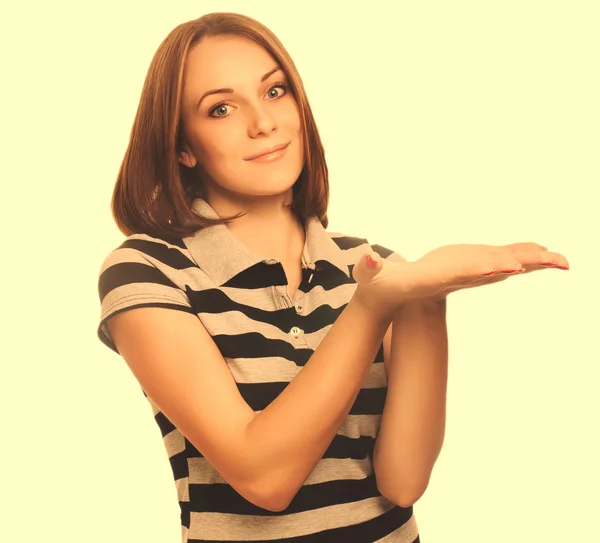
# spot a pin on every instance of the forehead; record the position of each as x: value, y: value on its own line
x: 225, y: 61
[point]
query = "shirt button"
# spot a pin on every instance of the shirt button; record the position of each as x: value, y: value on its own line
x: 271, y: 261
x: 298, y: 309
x: 295, y: 331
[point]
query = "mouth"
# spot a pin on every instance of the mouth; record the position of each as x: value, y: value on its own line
x: 272, y: 153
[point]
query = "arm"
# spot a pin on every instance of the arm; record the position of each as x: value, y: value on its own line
x: 290, y: 436
x: 265, y: 457
x: 414, y: 417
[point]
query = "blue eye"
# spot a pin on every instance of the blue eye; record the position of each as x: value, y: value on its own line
x: 219, y: 105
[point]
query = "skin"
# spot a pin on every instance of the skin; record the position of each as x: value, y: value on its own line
x: 413, y: 423
x: 217, y: 142
x: 256, y: 118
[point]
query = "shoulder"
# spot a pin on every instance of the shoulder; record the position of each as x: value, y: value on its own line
x: 142, y: 272
x: 143, y: 248
x: 356, y: 246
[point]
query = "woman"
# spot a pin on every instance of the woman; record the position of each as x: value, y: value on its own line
x: 264, y: 343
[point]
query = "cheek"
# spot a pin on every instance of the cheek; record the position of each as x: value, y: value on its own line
x: 292, y: 117
x: 219, y: 152
x: 218, y: 146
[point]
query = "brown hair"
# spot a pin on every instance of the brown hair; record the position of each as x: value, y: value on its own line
x: 153, y: 193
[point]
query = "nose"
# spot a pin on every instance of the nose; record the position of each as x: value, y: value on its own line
x: 261, y: 121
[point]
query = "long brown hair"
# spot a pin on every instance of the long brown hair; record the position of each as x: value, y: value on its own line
x: 153, y: 193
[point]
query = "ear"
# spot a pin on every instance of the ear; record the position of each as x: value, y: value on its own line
x: 187, y: 159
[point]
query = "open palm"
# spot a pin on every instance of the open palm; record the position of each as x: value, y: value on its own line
x: 491, y: 263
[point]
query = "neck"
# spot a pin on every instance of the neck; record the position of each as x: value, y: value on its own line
x: 269, y: 228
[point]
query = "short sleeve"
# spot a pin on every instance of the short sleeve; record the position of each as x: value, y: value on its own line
x: 129, y: 279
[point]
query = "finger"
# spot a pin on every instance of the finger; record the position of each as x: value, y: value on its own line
x: 363, y: 271
x: 542, y: 258
x: 525, y: 247
x: 480, y: 281
x: 500, y: 273
x: 520, y: 263
x: 496, y: 277
x: 525, y: 263
x: 501, y: 263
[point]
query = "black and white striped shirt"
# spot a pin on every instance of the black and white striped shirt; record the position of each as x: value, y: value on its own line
x: 265, y: 338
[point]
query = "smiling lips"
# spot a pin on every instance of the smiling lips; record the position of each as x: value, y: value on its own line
x: 270, y: 154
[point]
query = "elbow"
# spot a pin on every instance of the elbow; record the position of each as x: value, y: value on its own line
x: 274, y: 502
x: 408, y: 501
x: 277, y: 507
x: 407, y: 496
x: 279, y: 498
x: 270, y: 497
x: 403, y: 500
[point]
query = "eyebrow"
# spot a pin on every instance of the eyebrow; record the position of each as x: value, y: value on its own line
x: 228, y: 90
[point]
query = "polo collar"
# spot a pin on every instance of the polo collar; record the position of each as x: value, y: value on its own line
x: 222, y: 255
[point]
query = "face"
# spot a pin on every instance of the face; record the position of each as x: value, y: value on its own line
x: 223, y: 130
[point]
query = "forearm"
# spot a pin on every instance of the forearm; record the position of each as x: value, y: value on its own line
x: 413, y: 423
x: 290, y: 436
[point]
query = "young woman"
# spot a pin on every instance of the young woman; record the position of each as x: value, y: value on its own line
x: 268, y: 347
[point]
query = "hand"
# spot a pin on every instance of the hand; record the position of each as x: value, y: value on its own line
x: 442, y: 271
x: 503, y: 261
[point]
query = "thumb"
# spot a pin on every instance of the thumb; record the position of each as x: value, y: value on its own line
x: 364, y: 270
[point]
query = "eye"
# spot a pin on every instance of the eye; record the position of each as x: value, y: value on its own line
x: 222, y: 105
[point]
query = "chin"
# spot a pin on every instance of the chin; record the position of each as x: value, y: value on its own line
x: 274, y: 180
x: 272, y: 187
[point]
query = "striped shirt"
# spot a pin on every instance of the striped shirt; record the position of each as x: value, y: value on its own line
x: 265, y: 338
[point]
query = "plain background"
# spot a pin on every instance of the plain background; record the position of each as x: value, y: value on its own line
x: 443, y: 122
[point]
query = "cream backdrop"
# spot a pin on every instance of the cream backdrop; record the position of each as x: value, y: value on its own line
x: 443, y: 122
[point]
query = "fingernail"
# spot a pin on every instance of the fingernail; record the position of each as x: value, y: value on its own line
x: 371, y: 262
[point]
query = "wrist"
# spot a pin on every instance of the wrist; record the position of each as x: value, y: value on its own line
x: 379, y: 316
x: 429, y: 305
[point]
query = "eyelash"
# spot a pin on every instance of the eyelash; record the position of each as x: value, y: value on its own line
x: 284, y: 86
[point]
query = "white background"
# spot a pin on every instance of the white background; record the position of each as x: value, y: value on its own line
x: 443, y: 122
